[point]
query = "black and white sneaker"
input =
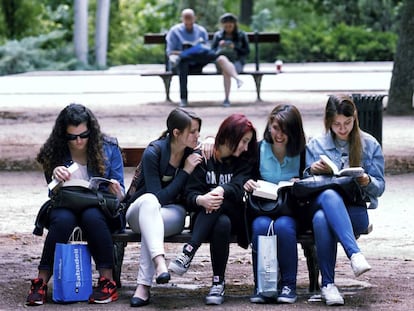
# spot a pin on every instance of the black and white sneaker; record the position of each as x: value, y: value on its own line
x: 181, y: 264
x: 216, y: 294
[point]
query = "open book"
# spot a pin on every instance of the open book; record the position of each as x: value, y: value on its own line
x: 72, y: 168
x: 269, y: 190
x: 93, y: 183
x: 350, y: 171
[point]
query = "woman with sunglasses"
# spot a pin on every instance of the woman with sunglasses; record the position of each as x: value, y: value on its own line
x: 76, y: 138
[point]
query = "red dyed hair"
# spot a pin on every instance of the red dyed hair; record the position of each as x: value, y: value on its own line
x: 232, y: 130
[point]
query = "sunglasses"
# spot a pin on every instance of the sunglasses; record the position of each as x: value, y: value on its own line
x: 81, y: 135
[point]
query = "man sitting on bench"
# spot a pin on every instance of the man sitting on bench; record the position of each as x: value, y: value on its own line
x: 180, y: 37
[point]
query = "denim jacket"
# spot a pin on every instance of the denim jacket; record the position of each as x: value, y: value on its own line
x: 372, y: 161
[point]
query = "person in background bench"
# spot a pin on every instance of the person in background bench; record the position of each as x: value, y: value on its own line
x: 178, y: 37
x: 333, y: 219
x: 154, y: 209
x: 279, y: 160
x: 215, y: 191
x: 76, y: 137
x: 232, y: 47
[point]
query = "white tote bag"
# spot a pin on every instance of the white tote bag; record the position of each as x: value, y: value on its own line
x: 267, y: 265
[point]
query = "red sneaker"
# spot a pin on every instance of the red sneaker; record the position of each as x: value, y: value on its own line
x: 37, y: 294
x: 104, y: 292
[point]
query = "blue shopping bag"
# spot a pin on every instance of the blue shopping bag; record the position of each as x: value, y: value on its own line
x: 72, y: 272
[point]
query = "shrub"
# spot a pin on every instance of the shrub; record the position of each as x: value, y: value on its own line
x: 45, y: 52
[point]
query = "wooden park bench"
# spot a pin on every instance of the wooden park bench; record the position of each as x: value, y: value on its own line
x: 254, y: 38
x: 132, y: 157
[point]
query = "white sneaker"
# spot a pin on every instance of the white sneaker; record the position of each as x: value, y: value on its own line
x: 359, y: 264
x: 239, y: 83
x: 330, y: 294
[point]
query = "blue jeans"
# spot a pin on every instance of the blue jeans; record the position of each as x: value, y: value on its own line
x: 94, y: 228
x: 334, y: 222
x: 287, y: 250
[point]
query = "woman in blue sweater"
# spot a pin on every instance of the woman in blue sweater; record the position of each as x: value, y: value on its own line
x: 155, y: 209
x: 279, y: 160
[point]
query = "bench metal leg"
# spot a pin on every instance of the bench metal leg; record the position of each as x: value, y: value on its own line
x: 119, y: 250
x: 258, y: 81
x: 313, y: 269
x: 167, y: 84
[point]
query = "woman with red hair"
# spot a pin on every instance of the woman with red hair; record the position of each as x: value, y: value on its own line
x: 215, y: 191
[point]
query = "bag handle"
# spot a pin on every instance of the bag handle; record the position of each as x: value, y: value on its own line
x: 271, y: 229
x: 76, y: 237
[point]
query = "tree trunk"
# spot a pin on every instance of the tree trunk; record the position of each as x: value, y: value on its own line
x: 246, y: 11
x: 400, y: 101
x: 80, y: 32
x: 101, y: 33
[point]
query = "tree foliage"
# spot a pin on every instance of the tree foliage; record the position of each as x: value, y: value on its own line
x: 311, y: 30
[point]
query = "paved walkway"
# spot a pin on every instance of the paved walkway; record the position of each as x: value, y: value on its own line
x: 124, y: 84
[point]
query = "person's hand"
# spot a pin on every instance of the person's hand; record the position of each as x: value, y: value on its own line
x: 207, y: 147
x: 219, y: 190
x: 250, y: 185
x: 191, y: 162
x: 61, y: 173
x: 211, y: 201
x: 319, y: 167
x: 115, y: 188
x: 363, y: 180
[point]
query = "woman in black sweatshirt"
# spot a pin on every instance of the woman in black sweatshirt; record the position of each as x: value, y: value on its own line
x: 215, y: 191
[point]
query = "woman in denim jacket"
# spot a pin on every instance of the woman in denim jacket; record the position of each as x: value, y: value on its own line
x: 333, y: 219
x: 77, y: 138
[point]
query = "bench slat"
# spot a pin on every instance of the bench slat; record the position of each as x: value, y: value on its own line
x: 262, y: 37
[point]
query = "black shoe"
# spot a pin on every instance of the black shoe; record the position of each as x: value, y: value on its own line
x: 163, y: 278
x: 137, y: 302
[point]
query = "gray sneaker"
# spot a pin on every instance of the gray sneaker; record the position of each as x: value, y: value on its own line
x: 181, y: 264
x: 216, y: 294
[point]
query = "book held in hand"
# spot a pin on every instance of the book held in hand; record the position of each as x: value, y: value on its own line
x: 93, y: 183
x: 268, y: 190
x: 349, y: 171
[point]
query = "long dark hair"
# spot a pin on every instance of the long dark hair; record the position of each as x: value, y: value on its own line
x: 344, y: 105
x: 232, y: 130
x: 179, y: 119
x: 55, y: 150
x: 289, y: 120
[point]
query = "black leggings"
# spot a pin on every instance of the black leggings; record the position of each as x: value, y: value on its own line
x: 215, y: 228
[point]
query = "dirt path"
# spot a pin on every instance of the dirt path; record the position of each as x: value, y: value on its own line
x: 389, y: 248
